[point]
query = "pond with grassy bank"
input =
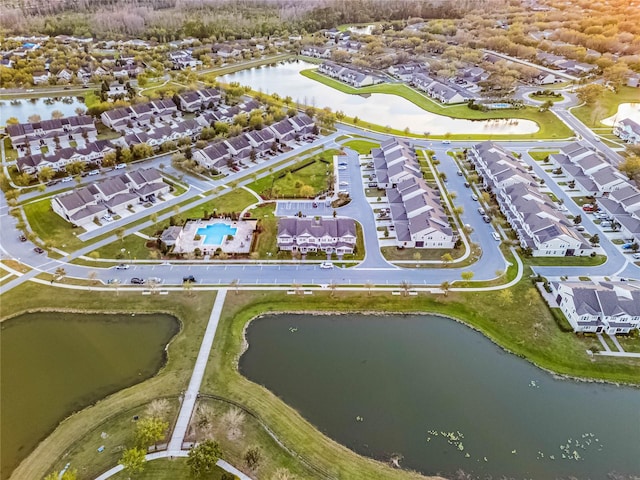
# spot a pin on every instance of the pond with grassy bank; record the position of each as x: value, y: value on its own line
x: 441, y: 397
x: 57, y: 363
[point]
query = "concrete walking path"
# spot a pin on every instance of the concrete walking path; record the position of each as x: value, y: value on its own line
x: 191, y: 395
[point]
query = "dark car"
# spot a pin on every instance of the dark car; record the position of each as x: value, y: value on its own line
x: 486, y: 218
x: 189, y: 279
x: 137, y: 281
x: 22, y: 238
x: 467, y: 184
x: 38, y: 250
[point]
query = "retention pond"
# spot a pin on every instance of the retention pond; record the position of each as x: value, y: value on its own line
x: 56, y: 363
x: 443, y: 397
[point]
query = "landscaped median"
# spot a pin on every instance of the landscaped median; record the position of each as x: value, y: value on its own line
x: 551, y: 127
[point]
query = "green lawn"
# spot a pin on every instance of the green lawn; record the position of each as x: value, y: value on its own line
x: 567, y: 261
x: 51, y: 227
x: 550, y: 125
x: 606, y: 107
x: 545, y: 98
x: 266, y: 243
x: 9, y: 153
x: 361, y: 146
x: 540, y: 155
x: 134, y: 246
x: 165, y: 469
x: 315, y: 172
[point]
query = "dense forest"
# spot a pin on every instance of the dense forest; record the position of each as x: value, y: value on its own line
x: 166, y: 20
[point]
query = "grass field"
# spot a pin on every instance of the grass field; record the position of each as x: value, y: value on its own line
x: 51, y: 227
x: 540, y: 155
x: 567, y: 261
x: 315, y: 173
x: 550, y: 126
x: 592, y: 115
x: 165, y: 469
x: 361, y: 146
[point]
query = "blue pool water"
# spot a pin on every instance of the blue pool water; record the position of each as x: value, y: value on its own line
x: 499, y: 105
x: 216, y: 233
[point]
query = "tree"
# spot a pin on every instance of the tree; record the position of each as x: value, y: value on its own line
x: 445, y: 286
x: 67, y: 475
x: 617, y: 74
x: 232, y: 422
x: 75, y: 168
x: 203, y: 458
x: 590, y: 94
x: 45, y: 174
x: 133, y: 460
x: 158, y: 408
x: 13, y: 121
x: 306, y: 191
x: 406, y: 286
x: 59, y: 273
x: 57, y: 114
x: 446, y: 258
x: 149, y: 431
x: 120, y: 233
x: 467, y: 275
x: 252, y: 457
x: 23, y: 179
x: 34, y: 118
x: 594, y: 240
x: 630, y: 166
x: 577, y: 220
x: 505, y: 297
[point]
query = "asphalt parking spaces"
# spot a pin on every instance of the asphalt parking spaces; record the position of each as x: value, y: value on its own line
x: 290, y: 208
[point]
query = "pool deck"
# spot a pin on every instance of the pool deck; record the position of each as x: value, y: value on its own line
x: 241, y: 242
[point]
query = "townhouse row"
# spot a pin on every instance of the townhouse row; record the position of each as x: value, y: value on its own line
x: 418, y: 218
x: 356, y: 77
x: 28, y: 138
x: 329, y: 235
x: 539, y: 225
x: 111, y: 196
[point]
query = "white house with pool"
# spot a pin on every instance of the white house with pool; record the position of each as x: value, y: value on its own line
x: 232, y: 237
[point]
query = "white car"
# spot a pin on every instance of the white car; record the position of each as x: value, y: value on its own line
x: 326, y: 265
x: 446, y: 142
x: 107, y: 218
x: 495, y: 236
x: 66, y: 179
x: 474, y: 197
x: 120, y: 166
x: 342, y: 167
x: 94, y: 172
x: 344, y: 184
x: 636, y: 256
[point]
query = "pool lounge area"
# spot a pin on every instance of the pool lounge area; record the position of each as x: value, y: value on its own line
x: 232, y: 237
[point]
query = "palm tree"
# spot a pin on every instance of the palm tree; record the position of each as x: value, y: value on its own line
x: 406, y: 286
x: 445, y: 286
x: 369, y: 286
x: 332, y: 286
x: 235, y: 283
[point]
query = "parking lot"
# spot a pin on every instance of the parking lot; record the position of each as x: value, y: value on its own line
x: 290, y: 208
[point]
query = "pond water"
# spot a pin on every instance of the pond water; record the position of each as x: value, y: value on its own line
x: 442, y: 396
x: 40, y: 106
x: 625, y: 110
x: 381, y: 109
x: 56, y: 363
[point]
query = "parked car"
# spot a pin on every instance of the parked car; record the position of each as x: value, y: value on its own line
x: 107, y: 218
x: 22, y: 238
x: 122, y: 266
x: 605, y: 224
x: 446, y: 142
x: 66, y: 179
x: 587, y: 207
x: 474, y: 197
x: 189, y: 279
x: 344, y: 184
x: 120, y: 166
x: 137, y: 281
x: 94, y: 172
x: 459, y: 173
x: 481, y: 211
x: 627, y: 246
x: 342, y: 167
x: 486, y: 219
x: 38, y: 250
x: 467, y: 184
x: 495, y: 236
x: 580, y: 228
x: 326, y: 265
x: 636, y: 256
x: 154, y: 280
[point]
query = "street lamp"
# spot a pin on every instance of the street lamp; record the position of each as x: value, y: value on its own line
x: 122, y: 250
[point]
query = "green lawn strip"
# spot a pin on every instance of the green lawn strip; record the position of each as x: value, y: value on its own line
x: 51, y: 227
x: 313, y: 171
x: 193, y: 311
x: 587, y: 261
x: 134, y: 246
x: 550, y: 125
x: 9, y: 153
x: 592, y: 115
x: 165, y: 469
x: 244, y: 66
x: 540, y: 155
x: 265, y: 244
x: 363, y: 147
x: 528, y: 330
x: 395, y: 253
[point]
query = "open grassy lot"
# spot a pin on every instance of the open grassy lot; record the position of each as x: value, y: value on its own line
x: 192, y: 310
x: 361, y: 146
x: 51, y: 227
x: 135, y: 247
x: 313, y: 172
x: 522, y: 324
x: 165, y: 469
x: 592, y: 115
x: 550, y: 125
x: 567, y: 261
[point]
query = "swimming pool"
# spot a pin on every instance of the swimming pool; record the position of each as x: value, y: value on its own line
x: 216, y: 233
x: 498, y: 106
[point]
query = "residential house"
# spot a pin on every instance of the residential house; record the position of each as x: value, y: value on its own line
x: 329, y: 235
x: 92, y: 152
x: 628, y: 130
x: 40, y: 77
x: 28, y: 138
x: 199, y: 99
x: 239, y: 147
x: 213, y: 157
x: 316, y: 52
x: 356, y: 77
x: 599, y: 306
x: 64, y: 76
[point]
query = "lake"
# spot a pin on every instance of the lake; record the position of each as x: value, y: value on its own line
x: 41, y: 106
x: 378, y: 108
x: 442, y: 396
x: 56, y: 363
x: 625, y: 110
